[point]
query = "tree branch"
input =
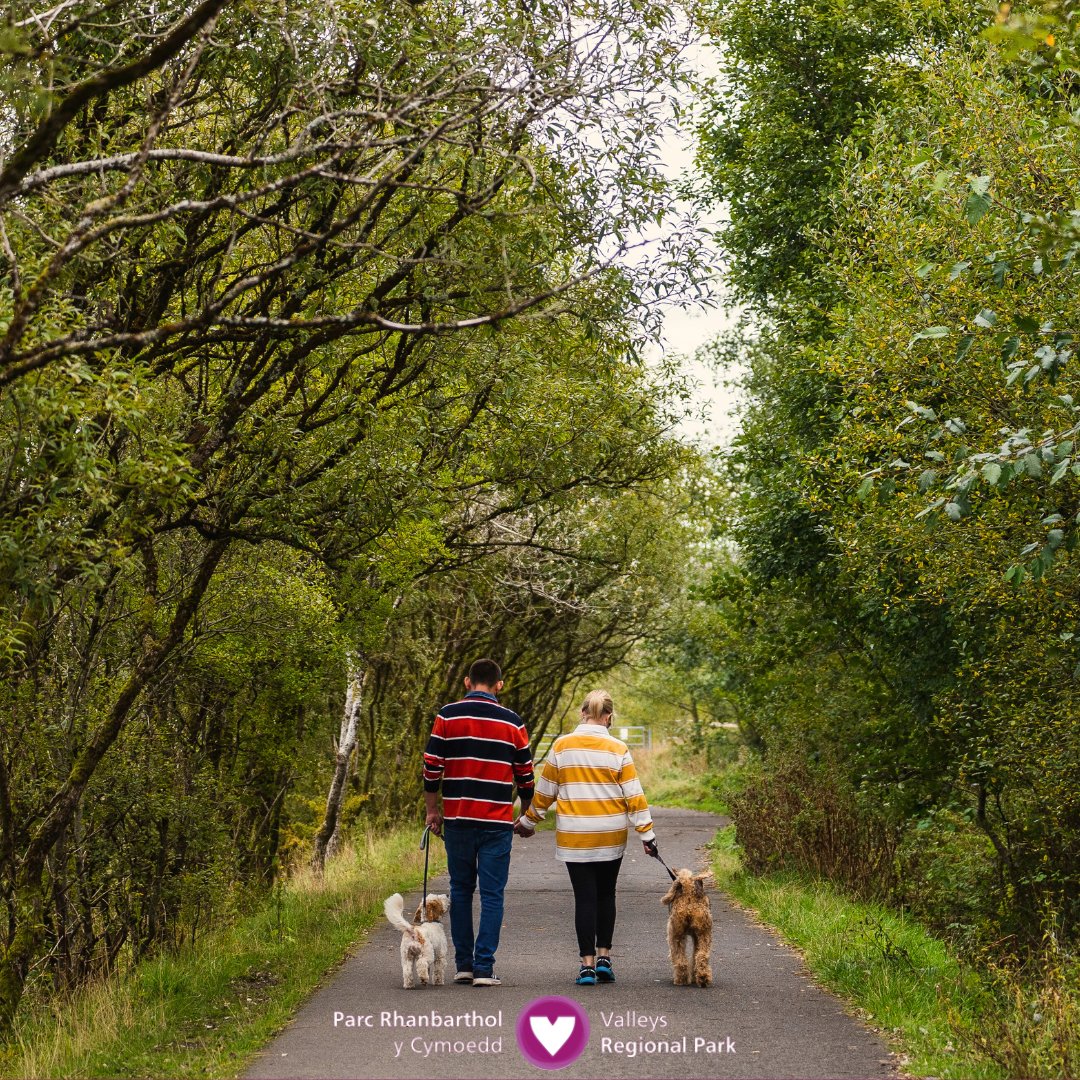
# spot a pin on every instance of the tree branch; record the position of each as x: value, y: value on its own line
x: 104, y: 82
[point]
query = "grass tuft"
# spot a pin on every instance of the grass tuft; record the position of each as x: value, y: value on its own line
x: 1030, y: 1022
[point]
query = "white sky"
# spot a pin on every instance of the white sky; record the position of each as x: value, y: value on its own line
x: 686, y: 331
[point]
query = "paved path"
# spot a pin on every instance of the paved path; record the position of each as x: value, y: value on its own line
x: 761, y: 1018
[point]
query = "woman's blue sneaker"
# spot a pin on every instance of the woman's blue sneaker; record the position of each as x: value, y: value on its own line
x: 603, y: 969
x: 586, y: 976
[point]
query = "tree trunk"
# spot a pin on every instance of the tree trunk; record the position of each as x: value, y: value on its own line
x: 17, y: 956
x: 346, y: 743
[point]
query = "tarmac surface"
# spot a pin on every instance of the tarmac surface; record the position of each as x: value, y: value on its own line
x: 762, y: 1017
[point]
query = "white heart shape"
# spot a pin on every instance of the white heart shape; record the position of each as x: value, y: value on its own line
x: 553, y: 1036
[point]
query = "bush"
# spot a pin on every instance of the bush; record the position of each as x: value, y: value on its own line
x: 805, y: 818
x: 1030, y: 1021
x: 949, y: 877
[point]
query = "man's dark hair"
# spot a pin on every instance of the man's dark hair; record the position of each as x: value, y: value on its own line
x: 485, y: 672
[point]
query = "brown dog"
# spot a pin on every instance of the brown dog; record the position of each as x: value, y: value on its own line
x: 689, y: 918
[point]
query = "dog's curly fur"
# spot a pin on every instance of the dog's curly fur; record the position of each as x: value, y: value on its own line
x: 689, y: 919
x: 423, y: 942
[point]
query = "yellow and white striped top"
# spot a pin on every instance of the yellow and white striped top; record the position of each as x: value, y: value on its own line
x: 590, y: 777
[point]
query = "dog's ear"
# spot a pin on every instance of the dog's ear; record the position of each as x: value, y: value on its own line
x: 417, y: 914
x: 699, y: 886
x: 672, y: 893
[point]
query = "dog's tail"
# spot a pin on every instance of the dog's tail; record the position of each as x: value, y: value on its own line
x: 394, y: 906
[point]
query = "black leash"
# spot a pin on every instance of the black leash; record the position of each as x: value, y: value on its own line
x: 426, y: 849
x: 671, y: 873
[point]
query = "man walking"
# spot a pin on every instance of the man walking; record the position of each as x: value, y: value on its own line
x: 477, y: 752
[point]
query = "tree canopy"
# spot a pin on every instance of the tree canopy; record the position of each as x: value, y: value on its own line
x: 314, y: 319
x: 898, y: 624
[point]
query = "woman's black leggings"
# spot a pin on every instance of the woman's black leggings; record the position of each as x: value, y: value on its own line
x: 594, y: 903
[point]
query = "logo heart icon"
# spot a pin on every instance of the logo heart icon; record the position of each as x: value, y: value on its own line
x: 552, y: 1036
x: 552, y: 1032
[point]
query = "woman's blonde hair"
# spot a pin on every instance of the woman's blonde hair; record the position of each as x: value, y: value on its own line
x: 597, y: 705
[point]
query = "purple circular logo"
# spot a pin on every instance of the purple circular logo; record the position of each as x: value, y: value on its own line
x: 552, y: 1032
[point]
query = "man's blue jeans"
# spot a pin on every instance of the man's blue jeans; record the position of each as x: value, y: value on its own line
x: 476, y: 855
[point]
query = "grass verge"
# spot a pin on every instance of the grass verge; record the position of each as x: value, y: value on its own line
x: 205, y: 1011
x: 672, y: 776
x: 944, y: 1017
x: 898, y: 977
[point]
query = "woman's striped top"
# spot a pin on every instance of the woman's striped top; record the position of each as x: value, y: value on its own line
x: 590, y: 777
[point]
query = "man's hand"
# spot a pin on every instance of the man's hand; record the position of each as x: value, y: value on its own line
x: 650, y: 848
x: 433, y: 809
x: 523, y: 827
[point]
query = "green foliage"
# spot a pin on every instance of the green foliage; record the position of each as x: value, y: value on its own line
x: 672, y: 775
x: 947, y: 875
x: 903, y: 492
x: 1011, y: 744
x: 317, y: 350
x: 211, y: 1006
x: 797, y: 80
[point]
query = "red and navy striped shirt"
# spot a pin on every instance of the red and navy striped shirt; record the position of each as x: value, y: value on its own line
x: 477, y: 751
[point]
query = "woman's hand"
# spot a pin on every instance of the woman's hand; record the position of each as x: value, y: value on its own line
x: 523, y: 828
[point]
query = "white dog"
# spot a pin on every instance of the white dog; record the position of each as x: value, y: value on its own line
x: 423, y: 942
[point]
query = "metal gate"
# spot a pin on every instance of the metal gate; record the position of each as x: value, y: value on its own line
x: 636, y: 736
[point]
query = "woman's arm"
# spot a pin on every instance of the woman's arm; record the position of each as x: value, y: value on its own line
x: 637, y: 809
x: 546, y: 792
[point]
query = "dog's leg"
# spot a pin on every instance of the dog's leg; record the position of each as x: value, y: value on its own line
x: 680, y: 968
x: 440, y: 969
x: 408, y: 967
x: 702, y: 949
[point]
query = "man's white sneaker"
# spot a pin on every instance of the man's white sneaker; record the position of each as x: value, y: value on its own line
x: 463, y: 977
x: 487, y: 980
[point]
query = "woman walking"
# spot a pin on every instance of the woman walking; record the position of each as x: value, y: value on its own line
x: 590, y: 777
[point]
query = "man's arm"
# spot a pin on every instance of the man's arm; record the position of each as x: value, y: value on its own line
x: 524, y: 779
x: 434, y: 764
x: 521, y: 824
x: 523, y: 767
x: 434, y: 818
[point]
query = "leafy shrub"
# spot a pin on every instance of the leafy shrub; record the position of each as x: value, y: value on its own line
x: 947, y: 875
x: 806, y: 818
x: 1030, y: 1022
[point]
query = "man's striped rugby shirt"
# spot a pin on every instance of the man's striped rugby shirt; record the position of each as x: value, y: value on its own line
x: 590, y: 777
x: 477, y: 751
